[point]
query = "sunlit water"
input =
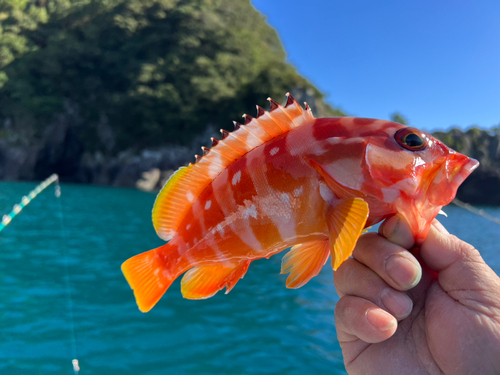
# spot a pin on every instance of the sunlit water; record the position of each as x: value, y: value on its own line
x: 259, y: 328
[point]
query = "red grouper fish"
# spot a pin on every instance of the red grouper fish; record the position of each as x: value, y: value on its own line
x: 286, y: 179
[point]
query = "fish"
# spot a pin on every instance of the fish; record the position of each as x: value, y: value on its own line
x: 286, y: 179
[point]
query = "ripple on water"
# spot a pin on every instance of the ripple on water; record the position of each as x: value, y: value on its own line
x: 258, y: 328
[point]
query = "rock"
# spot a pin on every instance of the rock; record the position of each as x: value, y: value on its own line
x: 482, y: 187
x: 149, y: 180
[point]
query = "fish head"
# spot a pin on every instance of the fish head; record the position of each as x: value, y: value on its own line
x: 415, y: 173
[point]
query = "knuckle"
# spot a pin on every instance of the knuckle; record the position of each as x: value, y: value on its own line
x: 464, y: 248
x: 342, y: 308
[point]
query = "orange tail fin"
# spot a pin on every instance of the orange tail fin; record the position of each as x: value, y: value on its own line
x: 149, y: 276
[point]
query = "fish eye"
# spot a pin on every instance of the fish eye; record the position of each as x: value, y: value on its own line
x: 411, y: 139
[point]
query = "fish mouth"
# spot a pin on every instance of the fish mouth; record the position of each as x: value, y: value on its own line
x: 439, y: 187
x: 461, y: 172
x: 450, y: 174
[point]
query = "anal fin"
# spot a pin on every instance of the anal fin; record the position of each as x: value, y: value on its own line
x: 345, y: 221
x: 304, y: 261
x: 205, y: 281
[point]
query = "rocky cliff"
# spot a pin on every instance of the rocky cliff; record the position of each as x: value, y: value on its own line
x: 59, y: 149
x: 26, y: 154
x: 482, y: 187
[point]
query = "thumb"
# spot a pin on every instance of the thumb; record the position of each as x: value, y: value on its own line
x: 459, y: 265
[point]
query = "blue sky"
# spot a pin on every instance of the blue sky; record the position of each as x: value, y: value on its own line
x: 436, y: 62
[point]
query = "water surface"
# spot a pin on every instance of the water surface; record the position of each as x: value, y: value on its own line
x: 259, y: 328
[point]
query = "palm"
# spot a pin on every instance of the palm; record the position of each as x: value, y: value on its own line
x: 437, y: 337
x: 410, y: 343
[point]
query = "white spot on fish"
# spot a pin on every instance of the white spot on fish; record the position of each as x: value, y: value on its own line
x: 348, y: 172
x: 220, y: 229
x: 190, y: 196
x: 342, y: 140
x: 326, y: 193
x: 250, y: 211
x: 298, y: 192
x: 408, y: 184
x: 278, y: 208
x: 157, y: 271
x: 236, y: 178
x: 390, y: 195
x: 166, y: 234
x: 188, y: 226
x: 285, y: 199
x: 208, y: 204
x: 274, y: 151
x: 165, y: 274
x: 216, y: 165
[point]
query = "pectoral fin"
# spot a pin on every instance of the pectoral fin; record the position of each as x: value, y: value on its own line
x: 345, y: 221
x: 304, y: 261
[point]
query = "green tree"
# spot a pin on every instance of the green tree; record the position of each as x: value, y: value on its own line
x: 156, y: 71
x: 399, y: 118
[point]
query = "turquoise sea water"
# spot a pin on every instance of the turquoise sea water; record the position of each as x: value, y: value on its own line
x: 259, y: 328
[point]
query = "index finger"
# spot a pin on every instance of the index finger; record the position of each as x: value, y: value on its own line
x: 397, y: 230
x: 393, y: 263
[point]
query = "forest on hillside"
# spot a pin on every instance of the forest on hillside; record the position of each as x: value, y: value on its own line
x: 153, y: 71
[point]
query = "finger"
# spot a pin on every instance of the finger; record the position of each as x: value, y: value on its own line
x: 459, y: 264
x: 397, y: 230
x: 440, y: 227
x: 355, y: 279
x: 394, y: 264
x: 358, y: 318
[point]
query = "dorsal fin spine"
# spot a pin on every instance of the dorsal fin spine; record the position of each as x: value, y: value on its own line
x: 238, y: 139
x: 260, y: 111
x: 222, y: 155
x: 262, y: 127
x: 248, y: 119
x: 231, y: 148
x: 243, y: 127
x: 273, y: 104
x: 277, y: 123
x: 186, y: 185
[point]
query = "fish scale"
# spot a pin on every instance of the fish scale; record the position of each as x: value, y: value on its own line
x: 286, y: 179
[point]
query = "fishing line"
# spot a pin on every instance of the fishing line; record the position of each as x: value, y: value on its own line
x: 474, y: 210
x: 27, y: 199
x: 15, y: 211
x: 75, y: 363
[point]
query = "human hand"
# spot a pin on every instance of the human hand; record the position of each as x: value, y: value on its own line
x: 431, y: 312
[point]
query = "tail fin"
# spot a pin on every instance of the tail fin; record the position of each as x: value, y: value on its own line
x: 148, y: 276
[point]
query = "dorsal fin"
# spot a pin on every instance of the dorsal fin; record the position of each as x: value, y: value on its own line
x: 184, y: 187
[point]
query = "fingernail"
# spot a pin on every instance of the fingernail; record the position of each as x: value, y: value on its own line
x: 403, y: 270
x: 396, y: 230
x: 391, y: 226
x: 398, y: 303
x: 380, y: 319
